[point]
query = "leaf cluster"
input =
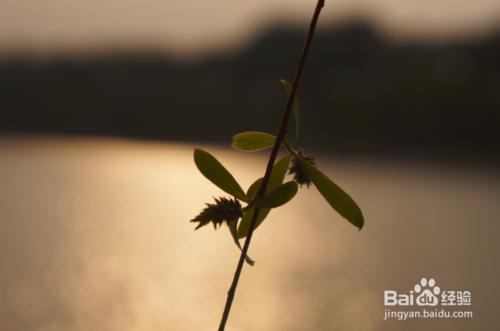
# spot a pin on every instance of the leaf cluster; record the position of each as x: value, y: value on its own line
x: 278, y: 191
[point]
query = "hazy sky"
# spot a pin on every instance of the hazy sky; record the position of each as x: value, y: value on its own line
x: 188, y: 26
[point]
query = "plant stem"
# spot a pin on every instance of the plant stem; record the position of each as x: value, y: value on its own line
x: 289, y: 147
x: 272, y: 159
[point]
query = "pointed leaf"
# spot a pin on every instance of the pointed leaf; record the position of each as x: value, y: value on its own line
x: 277, y: 176
x: 234, y: 234
x: 252, y: 141
x: 215, y: 172
x: 279, y: 196
x: 295, y: 107
x: 334, y: 195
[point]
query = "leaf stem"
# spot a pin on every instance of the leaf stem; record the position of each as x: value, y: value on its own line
x: 289, y: 147
x: 272, y: 158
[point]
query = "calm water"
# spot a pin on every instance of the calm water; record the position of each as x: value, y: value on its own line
x: 94, y: 235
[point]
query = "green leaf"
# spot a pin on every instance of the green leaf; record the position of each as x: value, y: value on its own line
x: 277, y: 176
x: 215, y: 172
x: 254, y: 188
x: 252, y: 141
x: 334, y: 195
x: 295, y: 106
x: 279, y: 196
x: 247, y: 219
x: 234, y: 234
x: 276, y: 179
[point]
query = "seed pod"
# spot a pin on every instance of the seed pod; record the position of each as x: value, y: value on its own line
x: 299, y: 175
x: 224, y: 210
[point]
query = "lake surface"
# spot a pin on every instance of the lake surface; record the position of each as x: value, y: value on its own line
x: 94, y: 235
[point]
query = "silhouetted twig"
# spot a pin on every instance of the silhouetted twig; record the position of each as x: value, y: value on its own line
x: 272, y: 159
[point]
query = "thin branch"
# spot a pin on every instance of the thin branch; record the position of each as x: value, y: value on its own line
x: 272, y: 159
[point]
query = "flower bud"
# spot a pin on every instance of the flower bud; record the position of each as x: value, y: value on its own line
x: 299, y: 175
x: 224, y: 210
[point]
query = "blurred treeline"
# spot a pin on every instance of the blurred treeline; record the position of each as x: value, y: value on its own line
x: 361, y: 94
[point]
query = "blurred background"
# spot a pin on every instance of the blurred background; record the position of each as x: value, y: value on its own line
x: 102, y: 103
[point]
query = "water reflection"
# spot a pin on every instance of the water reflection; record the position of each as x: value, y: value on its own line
x: 94, y: 235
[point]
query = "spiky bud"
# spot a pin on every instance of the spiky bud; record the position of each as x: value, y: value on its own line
x: 299, y: 175
x: 224, y: 210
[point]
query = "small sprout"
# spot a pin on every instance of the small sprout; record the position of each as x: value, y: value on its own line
x: 296, y: 169
x: 224, y: 210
